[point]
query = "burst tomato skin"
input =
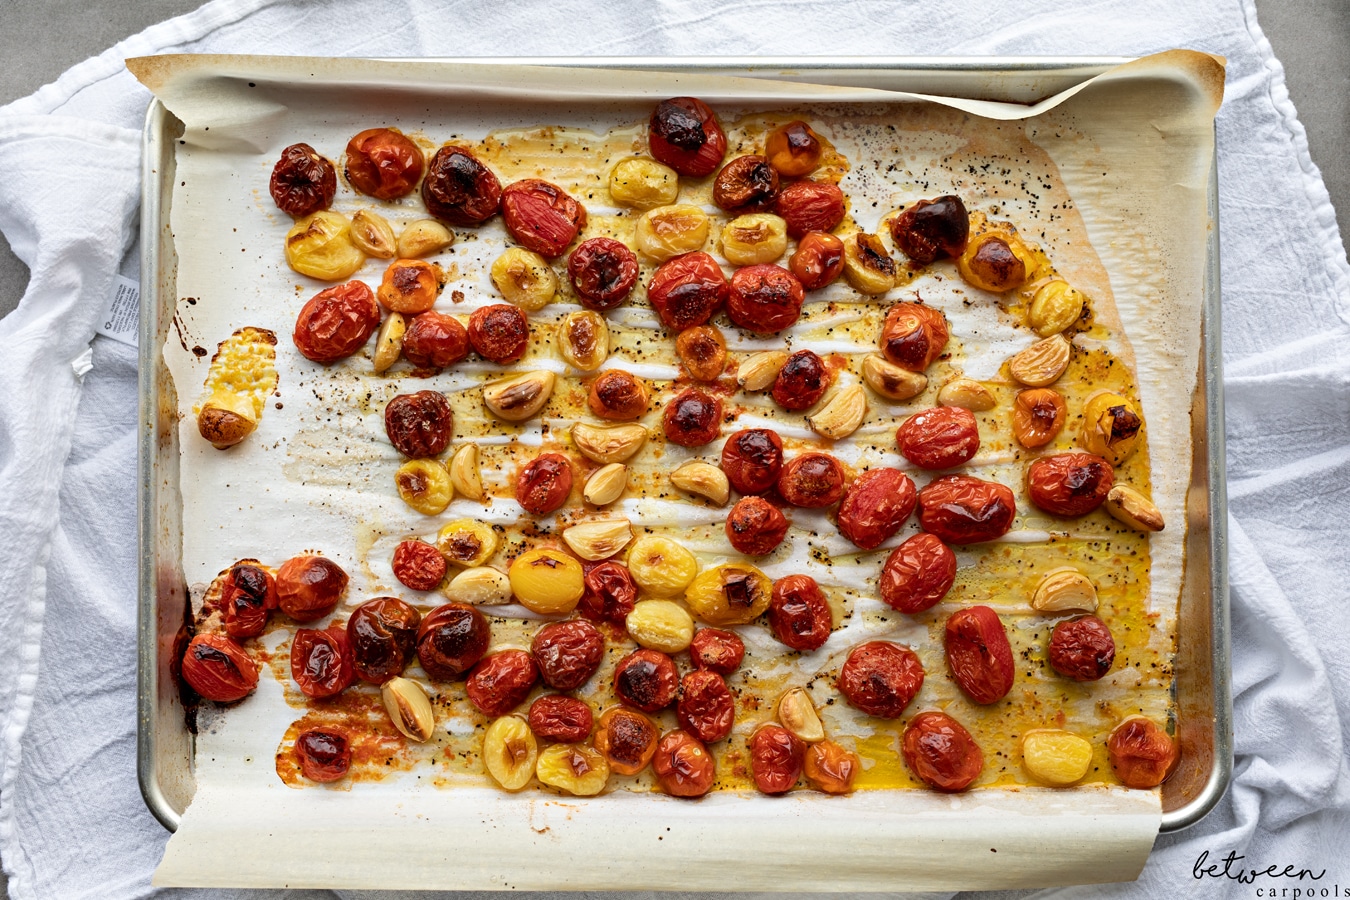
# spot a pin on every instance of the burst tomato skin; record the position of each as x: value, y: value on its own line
x: 501, y: 682
x: 706, y: 708
x: 765, y: 298
x: 321, y: 661
x: 684, y: 134
x: 799, y: 614
x: 1069, y: 484
x: 961, y: 509
x: 1141, y: 753
x: 541, y: 216
x: 752, y: 460
x: 336, y: 322
x: 1082, y: 648
x: 687, y: 291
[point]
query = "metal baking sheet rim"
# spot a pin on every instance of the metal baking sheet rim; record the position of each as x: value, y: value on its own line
x: 1207, y: 504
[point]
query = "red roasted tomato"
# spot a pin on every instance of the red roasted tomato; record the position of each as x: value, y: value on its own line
x: 687, y: 291
x: 914, y: 335
x: 247, y: 595
x: 939, y: 438
x: 875, y: 506
x: 752, y: 460
x: 979, y: 654
x: 459, y: 189
x: 541, y: 216
x: 799, y: 614
x: 336, y: 322
x: 321, y: 661
x: 801, y: 382
x: 218, y: 669
x: 940, y: 752
x: 693, y: 418
x: 544, y: 485
x: 1070, y: 484
x: 706, y: 708
x: 501, y: 682
x: 755, y: 526
x: 603, y: 272
x: 812, y: 480
x: 881, y: 678
x: 965, y: 510
x: 765, y: 298
x: 685, y: 135
x: 917, y: 574
x: 776, y: 758
x: 568, y: 653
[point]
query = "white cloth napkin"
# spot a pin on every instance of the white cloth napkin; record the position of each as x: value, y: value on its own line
x: 71, y: 821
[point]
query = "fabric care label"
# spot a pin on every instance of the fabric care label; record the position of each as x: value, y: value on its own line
x: 121, y: 316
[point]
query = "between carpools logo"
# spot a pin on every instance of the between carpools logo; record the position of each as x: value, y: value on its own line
x: 1235, y: 867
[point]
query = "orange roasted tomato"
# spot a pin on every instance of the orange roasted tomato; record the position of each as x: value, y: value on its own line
x: 336, y: 322
x: 411, y: 286
x: 810, y: 206
x: 626, y: 739
x: 1070, y: 484
x: 687, y: 290
x: 914, y: 335
x: 1141, y: 753
x: 940, y: 752
x: 794, y: 149
x: 818, y: 260
x: 881, y: 678
x: 1038, y: 416
x: 248, y: 594
x: 616, y: 394
x: 917, y: 574
x: 309, y: 587
x: 765, y: 298
x: 685, y: 135
x: 434, y: 340
x: 812, y: 480
x: 384, y: 164
x: 683, y: 766
x: 755, y: 526
x: 459, y: 189
x: 979, y: 654
x: 960, y: 509
x: 703, y: 351
x: 875, y: 507
x: 932, y: 229
x: 693, y: 418
x: 747, y: 184
x: 541, y: 216
x: 939, y: 438
x: 219, y: 669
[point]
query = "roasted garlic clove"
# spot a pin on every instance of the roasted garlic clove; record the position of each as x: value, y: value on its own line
x: 601, y: 539
x: 1065, y: 589
x: 606, y: 484
x: 703, y: 479
x: 607, y: 444
x: 841, y: 415
x: 464, y: 473
x: 423, y: 238
x: 519, y: 397
x: 373, y: 235
x: 1132, y: 508
x: 389, y: 341
x: 1043, y: 362
x: 409, y: 708
x: 758, y: 372
x: 798, y: 715
x: 891, y: 381
x: 479, y: 586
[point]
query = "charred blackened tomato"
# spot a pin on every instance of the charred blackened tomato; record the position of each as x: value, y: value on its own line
x: 384, y: 163
x: 979, y: 654
x: 434, y: 340
x: 755, y: 526
x: 685, y: 135
x: 616, y: 394
x: 308, y: 587
x: 765, y: 298
x: 693, y: 418
x: 499, y: 333
x: 544, y: 485
x: 324, y: 754
x: 1142, y: 754
x: 931, y: 229
x: 875, y: 506
x: 752, y: 460
x: 706, y: 708
x: 717, y: 650
x: 603, y: 272
x: 687, y: 290
x: 450, y: 640
x: 818, y: 260
x: 418, y: 565
x: 541, y: 216
x: 568, y: 653
x: 811, y: 206
x: 247, y: 595
x: 917, y: 574
x: 321, y: 661
x: 627, y: 740
x: 218, y: 669
x: 336, y: 322
x: 567, y: 720
x: 747, y: 184
x: 383, y: 635
x: 799, y: 614
x: 419, y: 425
x: 610, y: 594
x: 683, y: 766
x: 812, y: 480
x: 914, y: 335
x: 646, y: 680
x: 501, y: 682
x: 940, y: 752
x: 776, y: 759
x: 801, y: 382
x: 965, y: 510
x: 459, y: 189
x: 1070, y: 484
x: 303, y: 182
x: 939, y: 438
x: 1082, y: 648
x: 881, y: 678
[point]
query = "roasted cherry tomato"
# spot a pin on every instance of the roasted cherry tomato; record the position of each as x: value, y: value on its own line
x: 308, y: 587
x: 616, y: 394
x: 801, y: 382
x: 418, y: 565
x: 321, y: 661
x: 914, y: 335
x: 459, y: 189
x: 799, y: 614
x: 499, y: 333
x: 685, y: 135
x: 706, y: 708
x: 812, y: 480
x: 965, y: 510
x: 566, y: 720
x: 818, y: 260
x: 687, y: 290
x: 755, y: 526
x: 776, y: 759
x: 683, y: 766
x: 434, y: 340
x: 931, y: 229
x: 501, y: 682
x: 610, y: 594
x: 693, y: 418
x: 303, y: 182
x: 765, y: 298
x: 747, y: 184
x: 247, y: 595
x: 717, y: 650
x: 541, y: 216
x: 881, y: 678
x: 810, y: 206
x: 451, y: 639
x: 917, y: 574
x: 794, y: 149
x: 1038, y: 416
x: 324, y: 754
x: 1141, y: 753
x: 875, y: 506
x: 703, y: 351
x: 218, y: 669
x: 544, y: 485
x: 568, y: 653
x: 752, y: 460
x: 1070, y: 484
x: 1082, y: 648
x: 384, y: 164
x: 939, y: 438
x: 831, y: 768
x: 979, y: 654
x: 603, y: 272
x: 646, y: 680
x: 410, y: 286
x: 940, y: 752
x: 627, y: 740
x: 419, y: 425
x: 336, y: 322
x: 383, y: 637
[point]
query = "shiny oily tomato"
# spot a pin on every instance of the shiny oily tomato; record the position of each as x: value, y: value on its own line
x: 939, y: 438
x: 384, y: 164
x: 451, y: 639
x: 308, y: 587
x: 646, y: 680
x: 611, y: 593
x: 799, y: 614
x: 541, y: 216
x: 831, y: 768
x: 755, y: 526
x: 459, y: 189
x: 434, y: 340
x: 776, y: 759
x: 383, y: 636
x: 566, y: 720
x: 794, y: 149
x: 219, y: 669
x: 321, y: 661
x: 752, y: 460
x: 703, y: 351
x: 324, y: 754
x: 683, y: 766
x: 627, y: 740
x: 603, y: 272
x: 765, y: 298
x: 616, y: 394
x: 499, y: 333
x: 706, y: 708
x: 693, y: 418
x: 875, y: 507
x: 810, y: 206
x: 684, y: 134
x: 1070, y: 484
x: 812, y: 481
x: 568, y: 653
x: 418, y: 565
x: 1141, y: 753
x: 303, y: 182
x: 914, y: 335
x: 419, y: 425
x: 931, y: 229
x: 881, y: 678
x: 410, y: 286
x: 1082, y: 648
x: 818, y: 260
x: 717, y: 650
x: 336, y: 322
x: 247, y: 595
x: 917, y: 574
x: 978, y: 654
x: 501, y: 682
x: 801, y: 382
x: 544, y: 485
x: 747, y: 184
x: 1038, y: 416
x: 940, y: 752
x: 960, y: 509
x: 687, y: 291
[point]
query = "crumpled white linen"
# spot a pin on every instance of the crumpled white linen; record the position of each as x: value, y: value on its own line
x: 71, y: 821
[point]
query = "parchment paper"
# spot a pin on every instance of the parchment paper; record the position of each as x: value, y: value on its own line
x: 1132, y: 148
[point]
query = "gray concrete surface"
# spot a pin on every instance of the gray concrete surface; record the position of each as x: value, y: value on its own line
x: 42, y: 38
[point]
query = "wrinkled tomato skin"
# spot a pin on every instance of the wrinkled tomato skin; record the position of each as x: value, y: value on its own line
x: 616, y: 394
x: 1070, y: 484
x: 684, y: 134
x: 801, y: 382
x: 568, y: 653
x: 434, y: 340
x: 688, y: 290
x: 418, y: 565
x: 499, y: 333
x: 939, y: 438
x: 693, y: 418
x: 810, y: 206
x: 646, y: 680
x: 960, y: 509
x: 459, y: 189
x: 776, y: 759
x: 324, y: 754
x: 603, y: 272
x: 931, y: 229
x: 303, y: 182
x: 812, y: 481
x: 541, y: 216
x: 755, y: 526
x: 683, y: 766
x: 941, y: 753
x: 799, y: 614
x: 706, y: 708
x: 881, y: 678
x: 1082, y: 648
x: 248, y: 594
x: 611, y: 593
x: 544, y: 485
x: 1141, y: 753
x: 566, y: 720
x: 752, y: 460
x: 627, y: 739
x: 875, y: 507
x: 917, y: 574
x: 383, y: 637
x: 914, y: 335
x: 979, y: 655
x: 818, y: 260
x: 747, y: 184
x: 717, y: 650
x: 336, y: 322
x: 308, y: 587
x: 219, y: 669
x: 419, y: 425
x: 765, y: 298
x: 321, y: 661
x: 383, y: 164
x: 451, y: 639
x: 501, y: 682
